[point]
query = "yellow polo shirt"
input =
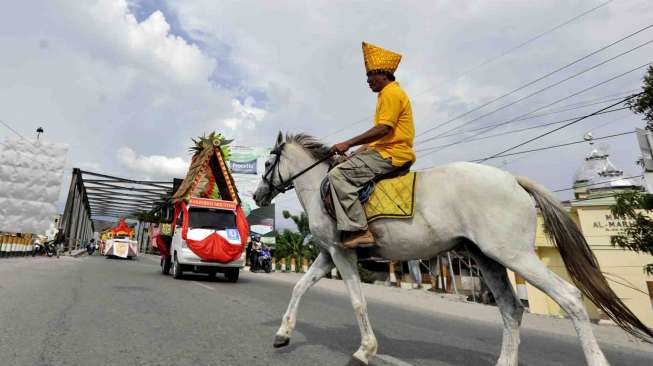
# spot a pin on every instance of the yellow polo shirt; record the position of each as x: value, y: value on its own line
x: 393, y: 109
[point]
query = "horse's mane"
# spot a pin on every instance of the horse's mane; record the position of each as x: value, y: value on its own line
x: 317, y: 149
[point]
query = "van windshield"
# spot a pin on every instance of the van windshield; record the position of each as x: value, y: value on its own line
x: 210, y: 218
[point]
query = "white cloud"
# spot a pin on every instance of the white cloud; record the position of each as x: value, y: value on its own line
x: 99, y: 79
x: 247, y: 109
x: 95, y: 77
x: 307, y: 61
x: 232, y: 123
x: 246, y: 115
x: 153, y: 165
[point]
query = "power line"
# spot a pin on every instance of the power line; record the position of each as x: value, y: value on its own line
x: 532, y: 115
x: 533, y: 39
x: 553, y: 146
x: 12, y: 129
x: 365, y: 119
x: 596, y: 184
x: 511, y: 131
x: 559, y: 128
x: 558, y: 101
x: 596, y: 128
x: 575, y: 106
x: 593, y: 101
x: 527, y: 117
x: 487, y: 61
x: 537, y: 91
x: 521, y: 45
x: 539, y: 78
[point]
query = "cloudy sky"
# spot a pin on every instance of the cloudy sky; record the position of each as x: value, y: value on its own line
x: 127, y: 83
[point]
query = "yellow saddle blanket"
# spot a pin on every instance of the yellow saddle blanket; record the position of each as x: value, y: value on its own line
x: 392, y: 198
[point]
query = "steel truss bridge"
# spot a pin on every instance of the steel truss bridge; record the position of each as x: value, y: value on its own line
x: 93, y: 197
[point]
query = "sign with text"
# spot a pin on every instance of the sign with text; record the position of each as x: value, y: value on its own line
x: 601, y: 222
x: 209, y: 203
x: 611, y: 224
x: 243, y: 167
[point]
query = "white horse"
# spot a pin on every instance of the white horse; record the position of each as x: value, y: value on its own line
x: 488, y: 210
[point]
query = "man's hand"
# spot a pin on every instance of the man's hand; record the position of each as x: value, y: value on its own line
x: 340, y: 148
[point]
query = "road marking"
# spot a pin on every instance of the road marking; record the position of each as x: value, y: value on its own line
x: 393, y: 361
x: 203, y: 285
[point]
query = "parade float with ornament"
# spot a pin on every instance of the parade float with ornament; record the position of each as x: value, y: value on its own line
x: 209, y: 227
x: 119, y: 241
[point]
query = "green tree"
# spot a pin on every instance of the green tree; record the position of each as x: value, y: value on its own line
x: 300, y: 220
x: 310, y: 250
x: 289, y: 244
x: 638, y: 235
x: 643, y: 103
x: 634, y: 206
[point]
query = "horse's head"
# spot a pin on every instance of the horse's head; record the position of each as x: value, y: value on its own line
x: 272, y: 182
x: 289, y: 160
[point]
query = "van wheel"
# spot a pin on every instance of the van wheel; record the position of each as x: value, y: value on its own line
x: 176, y: 269
x: 231, y: 274
x: 166, y: 263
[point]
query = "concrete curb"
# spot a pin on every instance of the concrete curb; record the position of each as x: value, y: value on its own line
x: 78, y: 253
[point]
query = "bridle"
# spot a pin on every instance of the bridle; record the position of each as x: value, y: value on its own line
x: 268, y: 176
x: 285, y: 185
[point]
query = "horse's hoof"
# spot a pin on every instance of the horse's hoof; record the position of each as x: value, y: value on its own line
x: 355, y: 362
x: 281, y: 341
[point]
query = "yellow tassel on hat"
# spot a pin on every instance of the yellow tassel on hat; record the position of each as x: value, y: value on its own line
x: 379, y: 59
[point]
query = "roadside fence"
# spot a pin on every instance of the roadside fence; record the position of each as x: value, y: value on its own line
x: 15, y: 246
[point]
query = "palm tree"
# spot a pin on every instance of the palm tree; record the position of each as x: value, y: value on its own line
x: 310, y: 249
x: 289, y: 244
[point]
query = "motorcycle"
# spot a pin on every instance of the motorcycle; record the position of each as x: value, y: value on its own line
x: 37, y: 248
x: 265, y: 259
x: 51, y: 249
x: 48, y: 248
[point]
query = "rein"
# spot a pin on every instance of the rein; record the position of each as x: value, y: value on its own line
x: 287, y: 185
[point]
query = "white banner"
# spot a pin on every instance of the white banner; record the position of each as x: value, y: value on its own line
x: 31, y: 173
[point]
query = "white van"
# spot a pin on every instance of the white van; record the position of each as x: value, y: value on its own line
x: 202, y: 222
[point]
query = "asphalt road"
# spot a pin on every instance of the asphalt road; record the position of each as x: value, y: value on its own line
x: 97, y: 311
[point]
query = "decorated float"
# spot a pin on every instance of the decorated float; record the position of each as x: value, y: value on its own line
x: 119, y: 241
x: 209, y: 229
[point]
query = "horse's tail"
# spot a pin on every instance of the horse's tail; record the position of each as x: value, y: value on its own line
x: 580, y: 262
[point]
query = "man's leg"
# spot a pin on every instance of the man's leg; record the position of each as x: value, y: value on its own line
x: 346, y: 179
x: 254, y: 261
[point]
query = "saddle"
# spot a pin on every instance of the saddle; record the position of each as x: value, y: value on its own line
x: 390, y: 195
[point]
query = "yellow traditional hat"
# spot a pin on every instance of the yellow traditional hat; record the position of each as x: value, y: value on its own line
x: 378, y: 59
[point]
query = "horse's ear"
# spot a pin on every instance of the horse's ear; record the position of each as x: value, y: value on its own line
x: 279, y: 138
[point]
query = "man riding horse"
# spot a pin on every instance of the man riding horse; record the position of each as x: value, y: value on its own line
x: 384, y: 148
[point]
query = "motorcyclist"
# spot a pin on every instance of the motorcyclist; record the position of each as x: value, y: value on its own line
x: 256, y: 251
x: 90, y: 248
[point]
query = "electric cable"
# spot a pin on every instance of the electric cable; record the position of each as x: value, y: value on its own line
x: 516, y: 131
x: 12, y: 129
x: 560, y: 100
x: 487, y: 61
x: 553, y: 146
x: 539, y: 90
x: 596, y: 184
x: 559, y: 128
